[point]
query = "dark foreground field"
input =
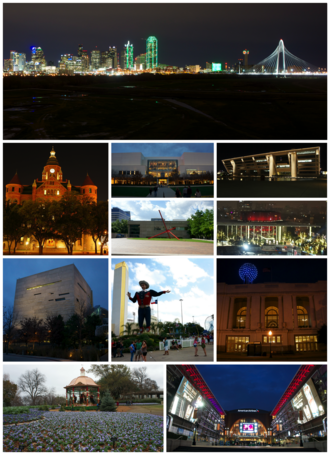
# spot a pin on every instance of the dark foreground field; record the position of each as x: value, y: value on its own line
x: 165, y: 107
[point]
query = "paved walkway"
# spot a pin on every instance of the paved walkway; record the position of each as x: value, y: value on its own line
x: 182, y: 355
x: 159, y: 247
x: 315, y: 356
x: 35, y: 358
x: 163, y: 192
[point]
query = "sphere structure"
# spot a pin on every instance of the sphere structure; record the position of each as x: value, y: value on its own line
x: 248, y: 272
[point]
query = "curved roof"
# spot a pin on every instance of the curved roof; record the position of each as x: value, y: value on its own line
x: 52, y: 160
x: 88, y: 181
x: 83, y: 380
x: 15, y: 179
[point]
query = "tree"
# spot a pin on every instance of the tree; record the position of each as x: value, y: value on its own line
x: 139, y: 376
x: 97, y: 221
x: 38, y: 330
x: 117, y: 378
x: 90, y: 325
x: 10, y: 325
x: 128, y: 328
x: 108, y: 403
x: 201, y: 224
x: 26, y: 330
x: 75, y: 325
x: 13, y: 228
x: 119, y: 227
x: 39, y: 220
x: 71, y: 214
x: 55, y: 328
x: 9, y: 391
x: 32, y: 382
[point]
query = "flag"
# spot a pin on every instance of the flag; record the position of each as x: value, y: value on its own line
x: 266, y: 270
x: 154, y: 303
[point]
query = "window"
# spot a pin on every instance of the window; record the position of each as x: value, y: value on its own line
x: 306, y: 343
x: 42, y: 285
x: 237, y: 344
x: 272, y: 339
x: 38, y: 293
x: 82, y: 288
x: 58, y: 192
x: 57, y: 300
x: 90, y: 190
x: 45, y: 191
x: 271, y: 315
x: 65, y: 293
x: 241, y: 318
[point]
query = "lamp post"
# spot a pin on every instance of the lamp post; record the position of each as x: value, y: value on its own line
x: 181, y: 300
x: 270, y: 344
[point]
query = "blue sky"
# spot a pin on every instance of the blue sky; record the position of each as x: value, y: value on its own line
x: 171, y: 210
x: 95, y: 272
x: 189, y: 279
x: 170, y: 150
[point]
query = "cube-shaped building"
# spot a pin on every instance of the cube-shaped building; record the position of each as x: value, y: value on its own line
x: 61, y: 291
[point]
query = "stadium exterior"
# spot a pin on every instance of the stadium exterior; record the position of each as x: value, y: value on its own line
x: 189, y: 163
x: 295, y: 163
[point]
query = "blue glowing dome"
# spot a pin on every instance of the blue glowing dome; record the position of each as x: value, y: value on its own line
x: 248, y: 272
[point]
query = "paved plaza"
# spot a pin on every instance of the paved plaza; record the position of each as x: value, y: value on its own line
x: 182, y: 355
x: 160, y: 247
x: 312, y: 356
x: 258, y: 188
x: 164, y: 191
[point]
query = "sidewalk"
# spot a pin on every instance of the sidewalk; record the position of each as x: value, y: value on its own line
x: 182, y: 355
x: 163, y: 192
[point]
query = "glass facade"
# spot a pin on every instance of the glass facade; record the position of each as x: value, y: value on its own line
x: 162, y: 168
x: 237, y: 344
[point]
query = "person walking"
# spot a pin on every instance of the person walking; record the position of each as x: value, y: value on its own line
x: 185, y: 192
x: 189, y: 191
x: 177, y: 192
x: 198, y: 194
x: 196, y: 346
x: 204, y: 346
x: 150, y: 192
x: 166, y: 346
x: 138, y: 350
x: 155, y: 190
x: 144, y: 350
x: 132, y: 351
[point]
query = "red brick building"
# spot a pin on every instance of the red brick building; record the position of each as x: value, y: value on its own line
x: 51, y: 187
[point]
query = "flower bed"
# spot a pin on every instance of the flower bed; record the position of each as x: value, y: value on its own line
x: 87, y: 432
x: 32, y: 414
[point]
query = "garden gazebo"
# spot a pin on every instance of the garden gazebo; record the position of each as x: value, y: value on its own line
x: 82, y: 391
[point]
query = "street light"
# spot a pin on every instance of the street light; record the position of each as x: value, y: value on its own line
x: 181, y: 300
x: 270, y: 344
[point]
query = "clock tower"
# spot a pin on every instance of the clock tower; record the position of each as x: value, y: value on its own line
x: 52, y: 170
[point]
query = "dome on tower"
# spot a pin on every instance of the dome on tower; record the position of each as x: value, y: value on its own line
x: 52, y: 160
x: 88, y: 181
x: 82, y: 379
x: 15, y: 179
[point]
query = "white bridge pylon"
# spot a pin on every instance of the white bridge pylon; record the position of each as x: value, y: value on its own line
x: 281, y: 61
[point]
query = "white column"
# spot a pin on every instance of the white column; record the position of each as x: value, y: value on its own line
x: 310, y: 231
x: 280, y: 312
x: 272, y: 167
x: 234, y: 167
x: 279, y: 234
x: 248, y: 309
x: 248, y: 232
x: 295, y: 312
x: 293, y: 164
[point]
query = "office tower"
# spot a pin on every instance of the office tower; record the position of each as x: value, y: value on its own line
x: 246, y: 57
x: 152, y: 53
x: 84, y: 61
x: 38, y: 57
x: 19, y: 61
x: 113, y: 56
x: 119, y: 298
x: 140, y: 62
x: 95, y: 59
x: 119, y: 214
x: 106, y: 60
x: 80, y: 50
x: 129, y: 57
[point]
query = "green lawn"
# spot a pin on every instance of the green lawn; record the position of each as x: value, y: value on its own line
x: 172, y: 239
x: 207, y: 191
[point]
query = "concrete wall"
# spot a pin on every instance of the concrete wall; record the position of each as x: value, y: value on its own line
x: 44, y: 301
x: 151, y: 228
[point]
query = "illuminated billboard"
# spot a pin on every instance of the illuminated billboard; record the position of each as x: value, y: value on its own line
x: 216, y: 66
x: 246, y: 427
x: 308, y: 401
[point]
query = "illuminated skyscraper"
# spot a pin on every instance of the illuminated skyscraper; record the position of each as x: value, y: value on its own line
x: 84, y: 61
x: 19, y: 61
x: 38, y: 57
x: 152, y: 53
x: 140, y: 62
x: 95, y: 59
x: 246, y: 57
x: 129, y: 58
x: 119, y: 298
x: 80, y: 50
x: 113, y: 55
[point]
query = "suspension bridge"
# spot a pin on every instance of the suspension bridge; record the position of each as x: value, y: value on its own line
x: 281, y: 61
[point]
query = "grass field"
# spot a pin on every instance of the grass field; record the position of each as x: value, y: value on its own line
x: 172, y: 239
x: 74, y: 107
x: 156, y: 409
x: 136, y: 191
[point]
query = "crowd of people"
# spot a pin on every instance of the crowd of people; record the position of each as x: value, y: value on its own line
x: 84, y: 399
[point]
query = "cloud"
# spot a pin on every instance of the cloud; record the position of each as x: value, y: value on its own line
x: 183, y: 271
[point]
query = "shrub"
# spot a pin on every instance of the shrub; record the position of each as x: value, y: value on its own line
x: 108, y: 403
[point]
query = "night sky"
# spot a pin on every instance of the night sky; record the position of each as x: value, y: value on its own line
x: 165, y: 149
x: 95, y: 272
x: 248, y: 386
x: 283, y: 270
x: 225, y: 151
x: 188, y: 34
x: 76, y: 160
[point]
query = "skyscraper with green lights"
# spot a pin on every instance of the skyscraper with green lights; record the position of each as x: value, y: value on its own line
x: 152, y: 53
x: 129, y: 58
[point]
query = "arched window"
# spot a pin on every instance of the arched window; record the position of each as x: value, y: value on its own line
x: 241, y: 318
x: 302, y: 314
x: 271, y: 316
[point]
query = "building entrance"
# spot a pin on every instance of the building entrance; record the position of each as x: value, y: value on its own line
x: 162, y: 181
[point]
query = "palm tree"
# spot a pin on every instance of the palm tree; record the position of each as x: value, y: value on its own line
x: 160, y: 326
x: 153, y: 327
x: 128, y: 328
